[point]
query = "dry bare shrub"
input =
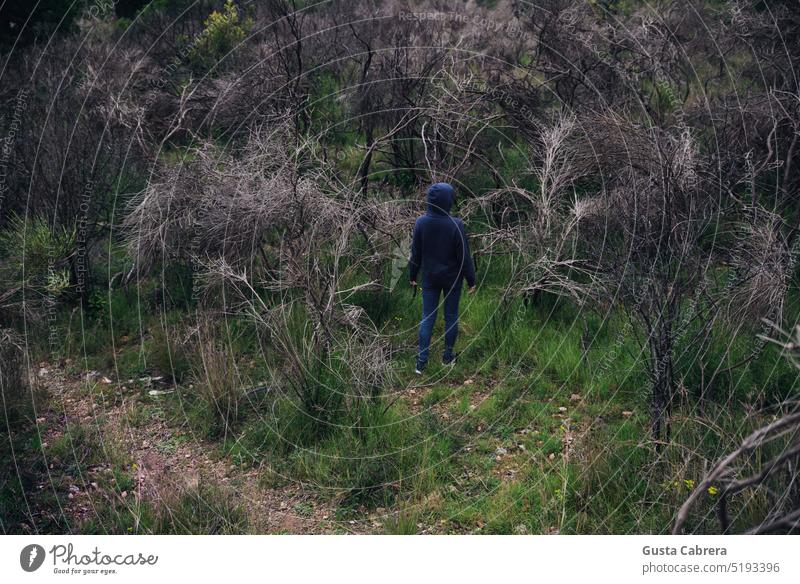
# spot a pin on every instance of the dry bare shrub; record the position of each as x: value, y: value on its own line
x: 761, y: 262
x: 455, y: 121
x: 216, y: 204
x: 538, y: 228
x: 650, y: 233
x: 275, y: 235
x: 650, y: 250
x: 333, y: 357
x: 229, y: 106
x: 71, y: 152
x: 636, y: 237
x: 114, y: 83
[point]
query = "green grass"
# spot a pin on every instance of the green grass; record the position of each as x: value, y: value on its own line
x: 529, y: 376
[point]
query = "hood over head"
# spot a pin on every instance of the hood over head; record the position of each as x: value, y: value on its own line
x: 440, y: 198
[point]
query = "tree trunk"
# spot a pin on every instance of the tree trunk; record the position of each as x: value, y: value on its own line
x: 661, y: 399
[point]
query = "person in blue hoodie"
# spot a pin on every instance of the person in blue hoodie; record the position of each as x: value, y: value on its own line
x: 440, y: 249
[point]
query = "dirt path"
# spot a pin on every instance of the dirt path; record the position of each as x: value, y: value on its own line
x: 166, y: 461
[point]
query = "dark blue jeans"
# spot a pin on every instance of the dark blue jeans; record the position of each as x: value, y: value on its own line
x: 430, y: 305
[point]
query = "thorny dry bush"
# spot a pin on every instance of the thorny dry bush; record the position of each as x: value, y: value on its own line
x: 273, y: 234
x: 655, y: 243
x: 214, y: 204
x: 628, y: 214
x: 761, y: 263
x: 538, y: 228
x: 72, y: 150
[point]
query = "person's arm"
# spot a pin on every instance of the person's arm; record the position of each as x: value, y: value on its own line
x: 415, y: 260
x: 467, y: 267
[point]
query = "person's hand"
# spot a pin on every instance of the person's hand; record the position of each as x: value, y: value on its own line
x: 413, y: 282
x: 471, y: 290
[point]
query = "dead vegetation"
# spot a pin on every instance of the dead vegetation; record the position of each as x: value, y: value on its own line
x: 236, y: 193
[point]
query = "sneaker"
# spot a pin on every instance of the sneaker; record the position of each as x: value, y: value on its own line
x: 451, y: 360
x: 418, y: 371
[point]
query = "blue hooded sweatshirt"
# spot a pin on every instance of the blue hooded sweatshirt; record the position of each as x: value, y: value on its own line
x: 440, y: 247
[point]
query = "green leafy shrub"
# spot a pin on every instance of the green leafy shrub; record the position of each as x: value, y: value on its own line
x: 34, y: 264
x: 223, y: 32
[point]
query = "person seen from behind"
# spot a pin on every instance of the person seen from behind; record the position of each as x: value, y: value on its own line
x: 440, y: 250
